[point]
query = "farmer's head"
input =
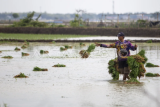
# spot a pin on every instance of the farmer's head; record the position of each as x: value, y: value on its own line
x: 120, y: 36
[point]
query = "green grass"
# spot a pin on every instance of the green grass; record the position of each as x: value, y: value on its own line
x: 133, y: 81
x: 38, y: 36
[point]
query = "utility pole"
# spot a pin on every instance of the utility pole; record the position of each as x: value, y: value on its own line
x: 118, y: 19
x: 142, y: 16
x: 157, y: 16
x: 128, y: 18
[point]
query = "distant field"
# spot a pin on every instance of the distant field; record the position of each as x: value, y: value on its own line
x: 39, y: 36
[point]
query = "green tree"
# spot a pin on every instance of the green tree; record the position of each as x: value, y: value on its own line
x: 15, y: 15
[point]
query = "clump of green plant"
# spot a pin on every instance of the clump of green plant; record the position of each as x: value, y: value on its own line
x: 17, y: 49
x: 151, y: 65
x: 152, y: 75
x: 24, y: 46
x: 86, y: 53
x: 43, y: 52
x: 67, y: 47
x: 9, y: 57
x: 62, y: 48
x: 25, y: 54
x: 21, y: 75
x: 113, y: 69
x: 39, y: 69
x: 59, y: 65
x: 149, y: 41
x: 82, y: 44
x: 27, y: 43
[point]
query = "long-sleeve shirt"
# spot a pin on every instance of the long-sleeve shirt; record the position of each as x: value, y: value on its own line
x: 121, y: 45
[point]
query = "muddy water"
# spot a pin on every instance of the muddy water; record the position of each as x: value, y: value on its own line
x: 82, y: 83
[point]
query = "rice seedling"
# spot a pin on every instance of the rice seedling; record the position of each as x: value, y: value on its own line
x: 151, y: 65
x: 82, y: 44
x: 25, y: 54
x: 86, y: 53
x: 24, y: 46
x: 67, y: 47
x: 21, y: 75
x: 8, y: 57
x: 59, y: 65
x: 152, y: 75
x: 17, y: 49
x: 62, y: 48
x: 39, y: 69
x: 43, y: 52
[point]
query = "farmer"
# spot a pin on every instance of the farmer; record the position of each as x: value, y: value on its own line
x: 123, y: 50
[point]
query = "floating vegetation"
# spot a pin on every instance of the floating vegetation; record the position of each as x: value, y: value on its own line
x: 62, y: 49
x: 17, y: 49
x: 151, y: 65
x: 59, y: 65
x: 86, y: 53
x: 39, y: 69
x: 25, y: 54
x: 0, y: 51
x: 82, y: 44
x: 24, y: 46
x: 8, y: 57
x: 149, y: 41
x: 68, y: 47
x: 21, y: 75
x: 152, y: 75
x: 43, y: 52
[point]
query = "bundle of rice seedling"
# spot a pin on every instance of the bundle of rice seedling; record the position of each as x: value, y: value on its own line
x: 43, y: 52
x: 152, y: 75
x: 39, y: 69
x: 151, y: 65
x: 67, y: 47
x: 21, y: 75
x: 25, y: 54
x: 86, y: 53
x: 17, y: 49
x: 8, y: 57
x: 59, y: 65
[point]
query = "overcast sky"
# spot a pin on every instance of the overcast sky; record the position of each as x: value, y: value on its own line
x: 69, y: 6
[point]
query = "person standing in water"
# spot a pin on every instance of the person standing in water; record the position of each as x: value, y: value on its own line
x: 123, y: 50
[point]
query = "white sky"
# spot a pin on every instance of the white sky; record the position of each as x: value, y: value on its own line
x: 69, y: 6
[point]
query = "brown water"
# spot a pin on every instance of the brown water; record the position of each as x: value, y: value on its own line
x: 82, y: 83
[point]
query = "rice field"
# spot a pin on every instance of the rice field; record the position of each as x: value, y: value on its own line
x: 81, y: 83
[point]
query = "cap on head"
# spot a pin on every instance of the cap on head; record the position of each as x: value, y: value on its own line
x: 120, y: 34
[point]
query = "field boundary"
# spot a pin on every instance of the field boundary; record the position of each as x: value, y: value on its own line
x: 130, y: 32
x: 18, y: 40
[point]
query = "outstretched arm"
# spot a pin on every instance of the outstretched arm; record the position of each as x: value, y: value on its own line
x: 105, y: 45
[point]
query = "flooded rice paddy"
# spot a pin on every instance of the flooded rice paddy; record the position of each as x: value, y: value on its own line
x: 82, y: 83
